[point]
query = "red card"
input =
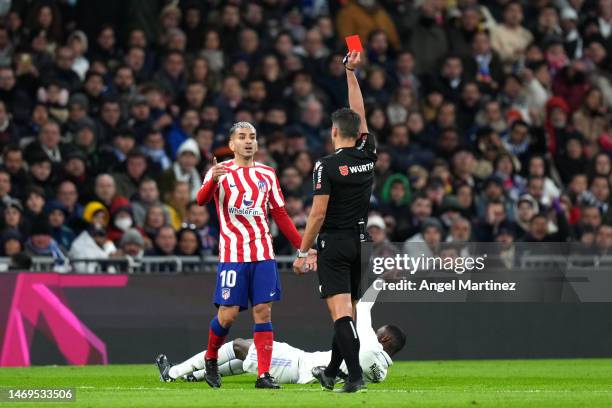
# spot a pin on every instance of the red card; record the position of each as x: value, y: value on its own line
x: 354, y: 43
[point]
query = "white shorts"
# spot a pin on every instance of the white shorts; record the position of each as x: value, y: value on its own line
x: 284, y: 366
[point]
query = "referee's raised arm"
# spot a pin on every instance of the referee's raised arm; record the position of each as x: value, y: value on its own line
x: 353, y: 60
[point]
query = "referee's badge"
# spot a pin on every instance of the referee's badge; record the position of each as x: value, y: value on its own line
x: 225, y: 293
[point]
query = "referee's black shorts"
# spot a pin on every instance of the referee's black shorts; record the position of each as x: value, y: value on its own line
x: 339, y: 263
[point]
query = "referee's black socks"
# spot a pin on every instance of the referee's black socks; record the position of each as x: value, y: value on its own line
x: 347, y: 342
x: 332, y: 368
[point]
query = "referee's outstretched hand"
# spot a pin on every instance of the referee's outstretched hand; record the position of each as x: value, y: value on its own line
x: 218, y: 170
x: 353, y: 59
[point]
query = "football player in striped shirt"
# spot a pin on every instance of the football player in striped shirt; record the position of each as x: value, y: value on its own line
x: 245, y: 192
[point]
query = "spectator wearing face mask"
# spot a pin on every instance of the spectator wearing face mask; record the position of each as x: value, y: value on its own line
x: 122, y: 219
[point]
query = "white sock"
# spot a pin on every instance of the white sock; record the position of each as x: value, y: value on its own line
x: 232, y: 367
x: 199, y: 375
x: 188, y: 366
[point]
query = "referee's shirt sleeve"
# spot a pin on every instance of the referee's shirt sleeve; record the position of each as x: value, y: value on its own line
x: 320, y: 179
x: 367, y: 143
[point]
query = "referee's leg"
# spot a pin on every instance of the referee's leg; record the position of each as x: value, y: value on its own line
x: 334, y: 268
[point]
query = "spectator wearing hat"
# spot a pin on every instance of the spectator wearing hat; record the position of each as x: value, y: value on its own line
x: 122, y: 218
x: 132, y: 247
x: 92, y: 244
x: 56, y: 215
x: 184, y: 169
x: 41, y: 243
x: 76, y: 171
x: 13, y: 217
x: 78, y: 42
x: 11, y: 241
x: 78, y: 109
x: 96, y: 213
x: 427, y: 241
x: 381, y: 246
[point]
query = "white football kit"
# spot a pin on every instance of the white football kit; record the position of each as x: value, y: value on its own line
x: 291, y: 365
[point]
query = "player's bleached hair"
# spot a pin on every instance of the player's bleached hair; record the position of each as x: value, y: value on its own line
x: 239, y: 125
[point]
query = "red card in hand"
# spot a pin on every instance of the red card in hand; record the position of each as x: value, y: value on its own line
x: 354, y: 43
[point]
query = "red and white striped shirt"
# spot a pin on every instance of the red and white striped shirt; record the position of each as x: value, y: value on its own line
x: 243, y: 198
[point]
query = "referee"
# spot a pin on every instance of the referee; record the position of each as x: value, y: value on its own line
x: 342, y: 185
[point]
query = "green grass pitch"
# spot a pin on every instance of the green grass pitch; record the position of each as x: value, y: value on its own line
x: 490, y: 383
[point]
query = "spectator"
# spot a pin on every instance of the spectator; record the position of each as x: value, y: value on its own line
x: 155, y: 219
x: 189, y: 243
x: 381, y: 246
x: 184, y: 170
x: 510, y: 39
x: 199, y: 217
x: 12, y: 242
x: 41, y: 243
x: 131, y: 174
x: 132, y: 247
x: 165, y: 243
x: 427, y: 38
x: 361, y: 17
x: 56, y: 215
x: 92, y: 244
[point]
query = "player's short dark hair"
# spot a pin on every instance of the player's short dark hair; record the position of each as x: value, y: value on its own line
x: 347, y: 121
x: 398, y: 339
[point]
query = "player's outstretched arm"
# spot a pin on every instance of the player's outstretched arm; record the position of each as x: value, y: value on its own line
x: 353, y: 61
x: 211, y: 180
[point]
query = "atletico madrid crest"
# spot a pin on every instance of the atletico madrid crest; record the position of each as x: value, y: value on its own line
x: 225, y: 293
x: 344, y: 170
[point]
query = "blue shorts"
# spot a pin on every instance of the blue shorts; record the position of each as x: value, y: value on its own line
x: 239, y: 283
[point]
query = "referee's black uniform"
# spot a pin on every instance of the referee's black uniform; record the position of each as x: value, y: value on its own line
x: 347, y: 177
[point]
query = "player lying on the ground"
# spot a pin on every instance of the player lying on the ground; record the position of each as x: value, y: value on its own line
x: 291, y: 365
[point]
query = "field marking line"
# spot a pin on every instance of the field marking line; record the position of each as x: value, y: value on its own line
x: 416, y: 391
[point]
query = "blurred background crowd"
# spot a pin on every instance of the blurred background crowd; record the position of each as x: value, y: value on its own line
x: 493, y: 117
